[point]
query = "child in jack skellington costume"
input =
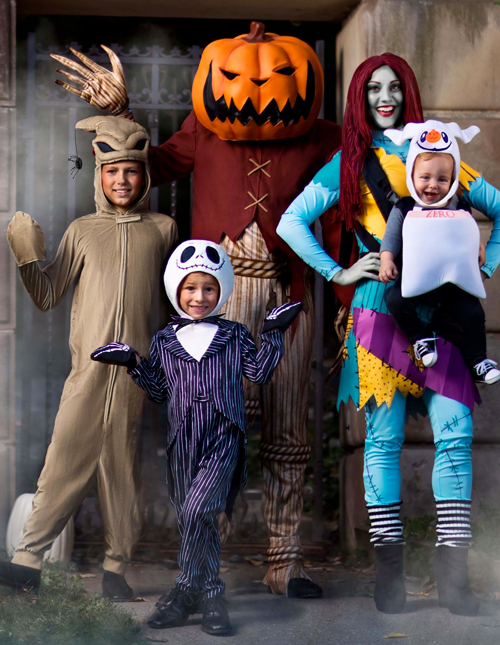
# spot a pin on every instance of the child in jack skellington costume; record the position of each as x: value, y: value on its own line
x: 438, y: 239
x: 196, y: 364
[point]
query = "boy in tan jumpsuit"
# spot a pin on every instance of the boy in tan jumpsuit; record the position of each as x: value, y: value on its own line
x: 115, y: 257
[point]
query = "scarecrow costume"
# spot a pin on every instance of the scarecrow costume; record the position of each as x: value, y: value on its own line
x: 241, y: 184
x: 114, y: 258
x: 197, y: 367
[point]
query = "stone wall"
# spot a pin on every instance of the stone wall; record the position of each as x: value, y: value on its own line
x: 454, y: 50
x: 7, y: 266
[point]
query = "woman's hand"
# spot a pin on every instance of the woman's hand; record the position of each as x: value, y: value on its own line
x: 366, y: 267
x: 388, y: 270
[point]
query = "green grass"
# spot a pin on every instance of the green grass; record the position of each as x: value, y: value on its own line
x: 62, y: 614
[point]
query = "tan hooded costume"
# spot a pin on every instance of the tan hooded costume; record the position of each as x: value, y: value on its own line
x: 116, y: 260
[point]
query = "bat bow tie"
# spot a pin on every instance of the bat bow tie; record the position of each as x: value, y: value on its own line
x: 182, y: 322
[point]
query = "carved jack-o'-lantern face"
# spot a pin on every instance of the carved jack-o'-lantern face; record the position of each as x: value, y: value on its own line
x: 258, y: 86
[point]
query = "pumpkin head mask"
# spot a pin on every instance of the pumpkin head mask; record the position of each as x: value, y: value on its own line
x: 258, y: 86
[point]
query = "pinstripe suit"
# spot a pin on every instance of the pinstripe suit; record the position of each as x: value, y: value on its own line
x: 206, y: 463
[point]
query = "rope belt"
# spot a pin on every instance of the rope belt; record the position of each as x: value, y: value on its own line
x: 249, y: 268
x: 284, y: 554
x: 287, y: 454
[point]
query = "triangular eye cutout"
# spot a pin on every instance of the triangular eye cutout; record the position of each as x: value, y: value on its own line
x: 104, y: 147
x: 140, y: 144
x: 187, y: 253
x: 229, y: 75
x: 285, y: 71
x: 213, y: 255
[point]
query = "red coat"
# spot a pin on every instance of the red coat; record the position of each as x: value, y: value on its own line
x: 223, y: 179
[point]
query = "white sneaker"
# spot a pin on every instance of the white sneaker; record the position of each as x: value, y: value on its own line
x: 426, y: 351
x: 486, y: 372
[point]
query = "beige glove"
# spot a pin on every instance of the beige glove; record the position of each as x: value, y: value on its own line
x: 26, y: 239
x: 101, y: 88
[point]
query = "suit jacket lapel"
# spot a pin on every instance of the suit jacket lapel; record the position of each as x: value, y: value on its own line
x: 172, y: 344
x: 224, y: 333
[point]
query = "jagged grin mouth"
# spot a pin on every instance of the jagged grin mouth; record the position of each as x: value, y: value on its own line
x: 200, y: 266
x: 218, y: 109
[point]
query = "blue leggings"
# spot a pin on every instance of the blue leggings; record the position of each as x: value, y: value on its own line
x: 452, y: 426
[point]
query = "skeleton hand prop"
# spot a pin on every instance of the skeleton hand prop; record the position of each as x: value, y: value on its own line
x: 101, y: 88
x: 116, y: 354
x: 282, y: 317
x: 366, y: 267
x: 26, y: 239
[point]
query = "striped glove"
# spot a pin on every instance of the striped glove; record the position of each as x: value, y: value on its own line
x: 116, y: 354
x: 282, y: 317
x: 101, y: 88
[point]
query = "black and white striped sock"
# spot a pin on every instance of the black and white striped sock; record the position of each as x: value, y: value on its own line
x: 453, y: 525
x: 386, y: 527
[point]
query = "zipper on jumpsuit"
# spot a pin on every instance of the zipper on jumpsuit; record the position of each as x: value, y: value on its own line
x: 123, y: 228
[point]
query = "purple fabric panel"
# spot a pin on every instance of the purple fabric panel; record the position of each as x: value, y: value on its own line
x: 377, y: 333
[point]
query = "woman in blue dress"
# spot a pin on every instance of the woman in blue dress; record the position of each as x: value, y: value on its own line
x: 378, y: 373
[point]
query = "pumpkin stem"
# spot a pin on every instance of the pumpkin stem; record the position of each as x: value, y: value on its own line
x: 257, y: 34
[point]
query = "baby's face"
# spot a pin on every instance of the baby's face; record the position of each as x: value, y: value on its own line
x: 432, y: 178
x: 199, y: 294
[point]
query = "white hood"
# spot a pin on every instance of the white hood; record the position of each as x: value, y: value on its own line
x: 195, y: 256
x: 432, y: 136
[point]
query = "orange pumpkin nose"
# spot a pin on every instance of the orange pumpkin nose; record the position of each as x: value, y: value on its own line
x: 433, y: 136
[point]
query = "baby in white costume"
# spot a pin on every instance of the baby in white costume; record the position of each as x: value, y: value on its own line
x: 439, y: 240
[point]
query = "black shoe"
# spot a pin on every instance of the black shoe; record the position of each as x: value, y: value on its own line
x: 215, y: 617
x: 303, y: 588
x: 486, y: 372
x: 115, y: 587
x: 452, y: 577
x: 426, y: 351
x: 19, y: 577
x: 390, y: 592
x: 175, y: 610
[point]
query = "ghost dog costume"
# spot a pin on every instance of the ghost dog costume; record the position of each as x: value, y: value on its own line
x: 440, y: 258
x: 114, y: 258
x: 198, y: 368
x: 439, y: 246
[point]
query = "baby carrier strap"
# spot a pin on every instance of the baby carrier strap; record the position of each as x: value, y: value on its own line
x: 385, y: 198
x: 406, y: 204
x: 379, y: 185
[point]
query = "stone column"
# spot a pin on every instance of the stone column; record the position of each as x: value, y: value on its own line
x: 454, y: 50
x: 7, y: 266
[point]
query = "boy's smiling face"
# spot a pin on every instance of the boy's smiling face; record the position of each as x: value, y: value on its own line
x: 199, y: 294
x: 432, y: 177
x: 122, y: 183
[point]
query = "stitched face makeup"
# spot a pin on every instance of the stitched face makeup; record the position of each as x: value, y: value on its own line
x: 385, y: 98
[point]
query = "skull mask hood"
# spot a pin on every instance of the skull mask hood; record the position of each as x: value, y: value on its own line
x: 117, y: 140
x: 198, y: 256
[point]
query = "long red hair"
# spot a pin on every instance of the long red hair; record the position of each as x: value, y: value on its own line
x: 356, y: 132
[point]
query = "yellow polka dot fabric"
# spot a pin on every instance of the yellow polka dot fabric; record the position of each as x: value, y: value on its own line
x: 381, y: 381
x: 350, y: 322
